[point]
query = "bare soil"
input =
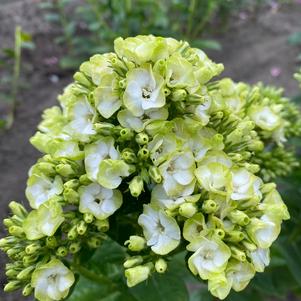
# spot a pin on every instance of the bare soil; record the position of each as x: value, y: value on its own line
x: 253, y: 50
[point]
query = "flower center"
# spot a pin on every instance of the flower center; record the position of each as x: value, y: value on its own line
x: 160, y: 227
x: 208, y: 255
x: 146, y: 93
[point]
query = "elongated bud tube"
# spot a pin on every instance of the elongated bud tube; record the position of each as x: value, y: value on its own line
x: 161, y: 265
x: 136, y: 186
x: 136, y: 243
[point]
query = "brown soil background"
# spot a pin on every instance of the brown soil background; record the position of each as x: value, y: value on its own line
x: 251, y: 48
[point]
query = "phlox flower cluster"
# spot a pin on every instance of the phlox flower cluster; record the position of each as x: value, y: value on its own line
x: 145, y: 138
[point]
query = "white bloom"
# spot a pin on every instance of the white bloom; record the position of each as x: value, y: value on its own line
x: 99, y: 201
x: 201, y: 111
x: 260, y: 259
x: 43, y: 221
x: 245, y: 185
x: 41, y: 189
x: 52, y: 281
x: 160, y: 230
x: 144, y: 91
x: 97, y: 152
x: 178, y: 174
x: 210, y: 257
x: 263, y: 231
x: 265, y: 118
x: 81, y: 121
x: 240, y: 274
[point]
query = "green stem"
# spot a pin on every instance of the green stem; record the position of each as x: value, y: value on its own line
x: 101, y: 279
x: 191, y: 9
x: 16, y: 75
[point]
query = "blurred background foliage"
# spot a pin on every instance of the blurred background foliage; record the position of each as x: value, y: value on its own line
x: 89, y: 27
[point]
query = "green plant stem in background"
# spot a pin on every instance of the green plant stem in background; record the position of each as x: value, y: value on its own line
x: 16, y: 76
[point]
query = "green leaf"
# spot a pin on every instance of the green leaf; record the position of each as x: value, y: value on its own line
x: 164, y: 287
x: 207, y: 44
x: 295, y: 38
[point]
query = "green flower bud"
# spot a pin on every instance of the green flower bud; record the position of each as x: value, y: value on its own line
x: 132, y: 261
x: 26, y: 273
x: 46, y: 168
x: 161, y: 265
x: 102, y: 225
x: 82, y: 79
x: 71, y: 196
x: 137, y: 274
x: 30, y: 259
x: 81, y: 228
x: 88, y: 218
x: 249, y: 245
x: 33, y: 248
x: 256, y: 146
x: 238, y: 254
x: 129, y: 156
x: 143, y: 154
x: 136, y: 243
x: 209, y: 206
x: 239, y: 217
x: 7, y: 222
x: 74, y: 248
x: 65, y: 170
x: 126, y: 134
x: 12, y: 286
x: 84, y: 180
x: 13, y: 251
x: 178, y: 95
x: 62, y: 252
x: 235, y: 236
x: 27, y: 290
x: 71, y: 184
x: 142, y: 138
x: 18, y: 209
x: 266, y: 188
x: 187, y: 210
x: 155, y: 174
x: 94, y: 242
x: 72, y: 234
x: 219, y: 233
x: 51, y: 242
x: 16, y: 231
x: 12, y: 273
x: 136, y: 186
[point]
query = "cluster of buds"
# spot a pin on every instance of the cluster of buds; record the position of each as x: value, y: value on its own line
x: 145, y: 136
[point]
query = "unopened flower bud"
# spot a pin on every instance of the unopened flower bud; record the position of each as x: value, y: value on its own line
x: 7, y: 222
x: 12, y: 286
x: 33, y: 248
x: 143, y: 154
x: 81, y: 228
x: 239, y: 217
x: 132, y: 261
x: 102, y: 225
x: 209, y: 206
x: 18, y: 209
x: 65, y: 170
x: 256, y: 145
x: 62, y: 252
x: 94, y: 242
x: 12, y: 273
x: 238, y: 254
x: 84, y: 180
x: 26, y: 273
x: 74, y: 248
x: 82, y: 79
x: 27, y: 290
x: 126, y: 134
x: 136, y: 186
x: 155, y: 174
x: 29, y: 259
x: 136, y: 243
x: 161, y: 265
x: 235, y: 236
x: 142, y: 138
x: 249, y: 245
x: 129, y: 156
x: 88, y: 218
x: 71, y: 196
x: 187, y: 210
x: 72, y: 234
x: 51, y: 242
x: 46, y: 168
x: 266, y: 188
x: 72, y: 184
x: 137, y: 274
x: 178, y: 95
x: 219, y: 233
x: 16, y: 231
